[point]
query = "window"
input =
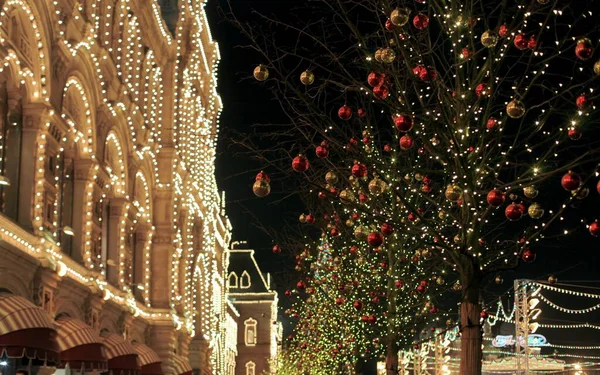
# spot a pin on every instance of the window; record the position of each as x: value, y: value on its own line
x: 250, y: 368
x: 245, y: 280
x: 233, y: 280
x: 250, y: 332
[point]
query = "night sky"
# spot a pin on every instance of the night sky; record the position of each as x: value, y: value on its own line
x: 246, y: 103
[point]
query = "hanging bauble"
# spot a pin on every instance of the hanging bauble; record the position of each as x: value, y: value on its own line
x: 310, y: 219
x: 388, y: 55
x: 457, y: 239
x: 334, y: 232
x: 598, y: 187
x: 535, y: 211
x: 484, y: 314
x: 345, y: 112
x: 375, y: 79
x: 491, y: 123
x: 581, y: 101
x: 339, y: 301
x: 300, y: 163
x: 597, y: 68
x: 530, y: 191
x: 375, y: 239
x: 399, y: 16
x: 584, y: 49
x: 521, y: 41
x: 389, y: 26
x: 322, y: 151
x: 276, y: 249
x: 481, y: 90
x: 406, y: 142
x: 307, y: 77
x: 302, y: 218
x: 387, y: 229
x: 574, y: 133
x: 262, y: 176
x: 361, y: 112
x: 425, y: 74
x: 349, y: 223
x: 403, y: 122
x: 452, y: 192
x: 301, y: 285
x: 502, y: 31
x: 442, y: 214
x: 426, y: 188
x: 261, y: 188
x: 421, y: 21
x: 381, y: 92
x: 528, y: 255
x: 440, y: 280
x: 531, y: 43
x: 359, y: 170
x: 378, y: 54
x: 498, y: 280
x: 465, y: 53
x: 552, y: 279
x: 595, y: 229
x: 360, y: 233
x: 570, y: 181
x: 457, y: 287
x: 495, y: 198
x: 421, y: 289
x: 331, y: 178
x: 581, y: 193
x: 515, y: 109
x: 261, y: 73
x: 513, y: 212
x: 489, y: 39
x: 377, y: 186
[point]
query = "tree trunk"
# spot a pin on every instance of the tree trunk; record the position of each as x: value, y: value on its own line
x: 391, y: 358
x: 471, y: 329
x: 358, y: 367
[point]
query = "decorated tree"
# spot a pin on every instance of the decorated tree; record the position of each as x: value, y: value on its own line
x: 470, y: 127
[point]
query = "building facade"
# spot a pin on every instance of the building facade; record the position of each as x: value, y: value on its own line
x: 110, y: 216
x: 259, y: 333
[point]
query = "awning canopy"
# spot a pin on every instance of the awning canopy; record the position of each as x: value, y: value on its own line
x: 26, y: 330
x: 148, y: 359
x: 182, y: 365
x: 80, y: 346
x: 122, y: 358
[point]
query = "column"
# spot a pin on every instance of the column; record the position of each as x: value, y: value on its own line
x: 116, y: 210
x: 82, y: 212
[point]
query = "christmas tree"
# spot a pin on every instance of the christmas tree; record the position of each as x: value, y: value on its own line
x: 469, y: 127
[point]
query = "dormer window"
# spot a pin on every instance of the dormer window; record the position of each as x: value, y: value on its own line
x: 233, y: 280
x: 245, y: 280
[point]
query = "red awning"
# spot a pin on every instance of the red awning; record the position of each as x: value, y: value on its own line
x: 80, y: 346
x: 26, y: 330
x: 122, y: 358
x: 182, y: 365
x: 148, y: 359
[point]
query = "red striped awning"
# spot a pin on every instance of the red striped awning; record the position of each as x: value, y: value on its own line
x: 80, y: 346
x: 148, y: 359
x: 122, y: 358
x: 26, y: 330
x: 182, y: 365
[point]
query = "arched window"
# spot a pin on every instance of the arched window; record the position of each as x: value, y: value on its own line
x: 245, y: 280
x: 10, y: 153
x: 233, y: 280
x: 250, y: 332
x: 250, y: 368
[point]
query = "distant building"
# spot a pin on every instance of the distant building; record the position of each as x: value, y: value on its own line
x: 259, y: 332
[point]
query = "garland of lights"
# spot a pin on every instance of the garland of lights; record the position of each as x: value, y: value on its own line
x: 568, y: 311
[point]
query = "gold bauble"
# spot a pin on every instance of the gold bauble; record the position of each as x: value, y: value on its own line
x: 418, y: 253
x: 499, y: 280
x: 581, y: 193
x: 388, y: 55
x: 530, y: 191
x: 515, y: 109
x: 331, y: 178
x: 457, y: 239
x: 597, y: 68
x: 449, y: 322
x: 400, y: 16
x: 535, y: 211
x: 378, y: 55
x: 377, y: 186
x: 418, y: 177
x: 347, y: 196
x: 407, y: 178
x: 349, y: 222
x: 489, y: 39
x: 426, y: 253
x: 309, y: 301
x: 298, y: 267
x: 361, y: 260
x: 392, y: 42
x: 360, y: 233
x: 261, y: 188
x: 552, y: 279
x: 307, y: 77
x: 354, y: 181
x: 261, y: 73
x: 456, y: 287
x: 302, y: 218
x: 440, y: 280
x: 452, y: 192
x: 513, y: 196
x: 442, y: 214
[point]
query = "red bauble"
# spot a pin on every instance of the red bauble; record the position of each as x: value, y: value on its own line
x: 364, y: 318
x: 387, y: 148
x: 531, y: 43
x: 361, y: 112
x: 359, y: 170
x: 528, y: 255
x: 570, y: 181
x: 495, y: 198
x: 427, y: 74
x: 583, y: 49
x: 421, y: 289
x: 387, y: 229
x: 491, y: 123
x: 426, y: 188
x: 310, y: 218
x: 381, y: 92
x: 263, y: 176
x: 375, y: 239
x: 322, y: 152
x: 483, y: 314
x: 300, y: 164
x: 288, y: 293
x: 417, y: 69
x: 372, y: 319
x: 595, y: 229
x: 403, y: 122
x: 375, y: 300
x: 481, y: 90
x: 421, y: 21
x: 276, y: 249
x: 375, y: 79
x: 406, y: 142
x: 353, y: 249
x: 321, y: 195
x: 598, y: 187
x: 339, y: 301
x: 466, y: 53
x: 335, y: 232
x: 357, y: 305
x: 301, y: 285
x: 355, y: 216
x: 574, y: 133
x: 345, y: 112
x: 412, y: 217
x: 513, y: 212
x: 389, y: 25
x: 503, y: 31
x: 581, y: 101
x: 399, y: 284
x: 521, y: 41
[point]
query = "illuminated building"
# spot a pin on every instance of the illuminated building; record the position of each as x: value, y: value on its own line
x: 259, y: 333
x: 110, y: 216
